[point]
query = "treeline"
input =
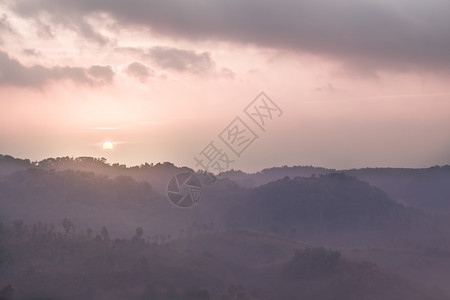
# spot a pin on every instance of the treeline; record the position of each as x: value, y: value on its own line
x: 44, y: 261
x: 51, y: 162
x: 67, y: 230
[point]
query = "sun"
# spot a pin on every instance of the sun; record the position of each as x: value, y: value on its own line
x: 108, y: 146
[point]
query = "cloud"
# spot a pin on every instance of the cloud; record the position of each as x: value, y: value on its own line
x: 87, y: 31
x: 368, y: 34
x: 103, y: 74
x: 4, y: 23
x: 31, y: 52
x: 139, y: 71
x: 329, y: 88
x: 5, y: 27
x: 44, y: 30
x: 13, y: 73
x: 171, y: 58
x: 226, y: 73
x: 180, y: 60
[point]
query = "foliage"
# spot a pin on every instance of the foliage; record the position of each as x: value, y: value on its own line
x: 312, y: 263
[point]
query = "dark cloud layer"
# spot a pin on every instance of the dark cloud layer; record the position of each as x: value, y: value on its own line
x: 366, y: 34
x: 13, y: 73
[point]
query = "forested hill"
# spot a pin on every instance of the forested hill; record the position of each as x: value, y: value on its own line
x: 158, y: 174
x: 334, y: 205
x: 123, y: 198
x: 424, y: 188
x: 427, y: 189
x: 328, y: 202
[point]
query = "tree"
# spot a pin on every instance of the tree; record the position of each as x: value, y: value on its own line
x: 196, y: 294
x: 67, y: 224
x: 7, y: 293
x: 18, y: 225
x: 89, y: 233
x: 162, y: 237
x: 104, y: 234
x: 312, y: 262
x: 138, y: 235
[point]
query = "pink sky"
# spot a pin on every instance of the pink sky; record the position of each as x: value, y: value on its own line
x: 360, y: 85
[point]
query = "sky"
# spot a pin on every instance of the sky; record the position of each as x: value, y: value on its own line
x: 231, y: 84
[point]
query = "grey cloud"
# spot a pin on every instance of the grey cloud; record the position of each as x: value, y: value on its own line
x: 103, y: 74
x: 86, y: 30
x: 180, y: 60
x: 139, y: 71
x: 44, y: 30
x: 368, y: 35
x: 5, y: 27
x: 72, y: 19
x: 171, y: 58
x: 79, y: 24
x: 30, y: 52
x: 13, y: 73
x: 4, y: 23
x: 226, y: 73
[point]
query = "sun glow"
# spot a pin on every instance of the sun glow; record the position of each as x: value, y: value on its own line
x: 108, y: 146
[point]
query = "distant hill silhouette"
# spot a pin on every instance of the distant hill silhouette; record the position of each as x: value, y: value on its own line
x: 328, y: 205
x: 235, y: 229
x: 426, y: 188
x: 120, y: 198
x: 272, y: 174
x: 324, y: 203
x: 94, y: 193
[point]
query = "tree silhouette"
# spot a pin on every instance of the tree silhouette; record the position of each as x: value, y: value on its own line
x: 312, y: 262
x: 138, y: 235
x: 7, y: 293
x: 67, y: 225
x: 104, y: 234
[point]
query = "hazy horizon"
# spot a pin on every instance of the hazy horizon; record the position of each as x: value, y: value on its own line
x: 250, y: 171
